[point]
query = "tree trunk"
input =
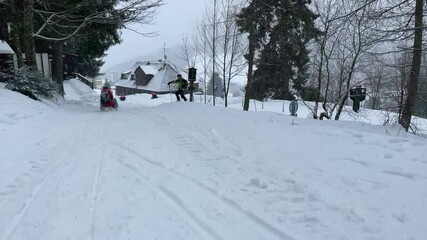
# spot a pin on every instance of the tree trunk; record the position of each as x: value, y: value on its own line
x: 30, y: 51
x: 341, y: 106
x: 58, y: 65
x: 15, y: 33
x: 319, y: 80
x: 250, y: 58
x: 213, y: 52
x: 328, y: 80
x: 349, y: 77
x: 407, y: 110
x: 286, y: 93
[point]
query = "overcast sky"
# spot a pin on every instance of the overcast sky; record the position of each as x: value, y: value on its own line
x: 174, y: 20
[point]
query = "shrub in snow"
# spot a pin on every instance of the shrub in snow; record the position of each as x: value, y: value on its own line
x: 5, y: 77
x: 30, y: 82
x: 6, y: 68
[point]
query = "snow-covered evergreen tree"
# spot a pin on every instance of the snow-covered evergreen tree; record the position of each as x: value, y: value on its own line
x: 30, y: 82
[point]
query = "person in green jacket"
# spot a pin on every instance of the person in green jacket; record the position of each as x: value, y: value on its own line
x: 182, y: 86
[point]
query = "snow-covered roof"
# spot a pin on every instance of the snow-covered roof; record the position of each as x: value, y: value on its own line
x: 5, y: 48
x: 127, y: 72
x: 125, y: 83
x: 163, y: 72
x: 150, y: 69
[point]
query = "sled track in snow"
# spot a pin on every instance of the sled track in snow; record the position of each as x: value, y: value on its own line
x: 174, y: 201
x: 190, y: 143
x: 94, y: 195
x: 209, y: 193
x: 103, y: 152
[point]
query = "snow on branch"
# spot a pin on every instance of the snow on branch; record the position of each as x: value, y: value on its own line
x: 62, y: 25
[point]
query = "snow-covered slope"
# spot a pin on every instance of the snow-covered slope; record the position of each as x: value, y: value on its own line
x: 159, y: 169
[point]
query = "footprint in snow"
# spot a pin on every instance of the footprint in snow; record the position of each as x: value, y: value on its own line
x: 257, y: 183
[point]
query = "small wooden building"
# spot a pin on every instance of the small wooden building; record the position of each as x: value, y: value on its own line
x: 8, y: 60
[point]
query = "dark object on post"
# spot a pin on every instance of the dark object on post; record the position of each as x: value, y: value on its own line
x: 192, y: 72
x: 122, y: 98
x: 293, y: 108
x: 357, y: 94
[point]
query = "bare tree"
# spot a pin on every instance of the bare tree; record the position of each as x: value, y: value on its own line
x: 338, y: 53
x: 201, y: 40
x: 398, y: 21
x: 231, y: 45
x: 188, y: 53
x: 400, y: 83
x: 214, y: 39
x: 355, y: 35
x: 207, y: 41
x: 421, y: 102
x: 361, y: 39
x: 375, y: 74
x: 323, y: 48
x: 407, y: 110
x: 387, y: 80
x: 220, y: 45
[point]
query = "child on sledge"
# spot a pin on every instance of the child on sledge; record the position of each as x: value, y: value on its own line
x: 106, y: 97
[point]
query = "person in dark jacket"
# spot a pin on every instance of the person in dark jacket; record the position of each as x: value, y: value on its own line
x: 182, y: 86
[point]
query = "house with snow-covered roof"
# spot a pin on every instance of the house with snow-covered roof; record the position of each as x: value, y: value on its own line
x: 147, y: 77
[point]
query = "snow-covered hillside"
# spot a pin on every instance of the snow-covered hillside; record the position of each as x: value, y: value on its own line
x: 159, y: 169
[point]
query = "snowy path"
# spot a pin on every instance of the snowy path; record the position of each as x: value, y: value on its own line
x: 69, y: 157
x: 93, y: 157
x: 189, y: 171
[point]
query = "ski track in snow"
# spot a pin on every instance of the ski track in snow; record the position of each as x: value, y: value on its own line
x: 190, y: 143
x: 227, y: 205
x: 186, y: 141
x: 200, y: 151
x: 9, y: 230
x: 95, y: 186
x: 196, y: 224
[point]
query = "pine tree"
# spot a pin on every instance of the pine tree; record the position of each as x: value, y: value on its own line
x: 90, y: 47
x: 253, y: 20
x: 288, y: 25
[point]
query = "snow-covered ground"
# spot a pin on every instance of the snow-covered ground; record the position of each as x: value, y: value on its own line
x: 159, y: 169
